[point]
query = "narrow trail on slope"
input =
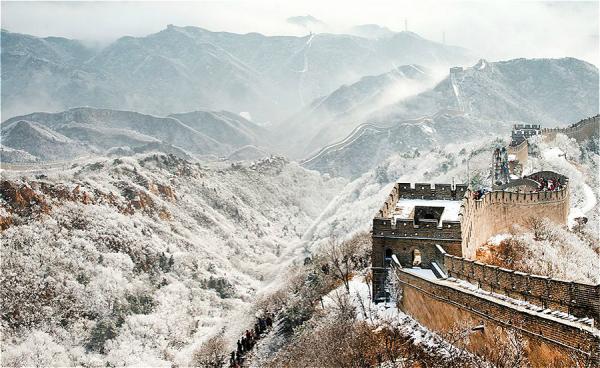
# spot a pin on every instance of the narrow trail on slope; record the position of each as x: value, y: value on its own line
x: 266, y: 347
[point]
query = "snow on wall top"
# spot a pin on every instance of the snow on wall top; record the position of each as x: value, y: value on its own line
x: 405, y: 208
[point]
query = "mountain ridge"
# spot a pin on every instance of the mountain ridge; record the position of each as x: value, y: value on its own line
x: 101, y: 130
x: 265, y: 75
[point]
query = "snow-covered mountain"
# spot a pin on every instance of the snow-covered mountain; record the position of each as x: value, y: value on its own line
x: 40, y: 141
x: 308, y: 22
x: 468, y: 104
x: 135, y: 261
x: 8, y: 154
x: 79, y: 131
x: 331, y: 117
x: 190, y: 68
x: 225, y: 127
x: 371, y: 31
x: 369, y: 145
x: 547, y: 91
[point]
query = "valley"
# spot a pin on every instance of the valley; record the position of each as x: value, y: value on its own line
x: 159, y: 193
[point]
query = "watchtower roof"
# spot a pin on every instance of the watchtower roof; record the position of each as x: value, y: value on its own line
x: 439, y: 209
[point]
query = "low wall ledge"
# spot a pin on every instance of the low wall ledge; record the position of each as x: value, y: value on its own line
x: 540, y: 277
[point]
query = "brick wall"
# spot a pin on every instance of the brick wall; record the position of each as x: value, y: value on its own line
x: 428, y: 191
x: 520, y: 151
x: 497, y: 211
x: 407, y: 228
x: 403, y: 248
x: 578, y: 299
x: 580, y: 131
x: 390, y: 203
x: 439, y: 307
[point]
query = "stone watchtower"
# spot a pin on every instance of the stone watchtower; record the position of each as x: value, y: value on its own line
x: 414, y: 223
x: 417, y: 224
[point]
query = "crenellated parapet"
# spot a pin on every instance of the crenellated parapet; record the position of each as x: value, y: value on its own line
x: 554, y: 337
x: 432, y: 191
x: 580, y: 131
x: 390, y: 203
x: 420, y: 191
x: 431, y: 233
x: 497, y: 211
x: 408, y: 229
x: 578, y: 299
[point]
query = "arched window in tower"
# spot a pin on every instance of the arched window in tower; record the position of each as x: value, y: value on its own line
x: 387, y: 259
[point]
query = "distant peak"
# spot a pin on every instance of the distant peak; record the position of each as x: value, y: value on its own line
x: 371, y: 31
x: 183, y: 29
x: 410, y: 34
x: 305, y: 21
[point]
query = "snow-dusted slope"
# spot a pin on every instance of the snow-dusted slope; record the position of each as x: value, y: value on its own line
x: 225, y: 127
x: 39, y: 141
x: 135, y: 261
x: 469, y: 104
x: 370, y: 145
x: 371, y: 31
x: 332, y: 116
x: 248, y: 153
x: 547, y: 91
x: 8, y: 154
x: 101, y: 130
x: 190, y: 68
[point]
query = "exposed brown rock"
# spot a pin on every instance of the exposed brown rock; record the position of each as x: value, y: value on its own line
x: 22, y: 199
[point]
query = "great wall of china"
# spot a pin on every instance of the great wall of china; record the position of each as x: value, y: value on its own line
x: 497, y: 211
x: 439, y: 227
x: 580, y: 131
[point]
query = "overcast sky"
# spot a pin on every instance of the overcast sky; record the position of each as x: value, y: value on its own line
x: 492, y: 29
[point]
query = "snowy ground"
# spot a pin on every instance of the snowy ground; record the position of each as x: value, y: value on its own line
x: 388, y: 314
x: 405, y: 208
x: 235, y: 225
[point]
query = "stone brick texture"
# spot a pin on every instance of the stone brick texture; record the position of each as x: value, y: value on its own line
x: 578, y: 299
x: 498, y: 211
x: 520, y: 151
x: 580, y: 131
x: 439, y: 307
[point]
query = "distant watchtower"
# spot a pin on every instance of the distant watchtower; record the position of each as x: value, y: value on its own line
x: 522, y: 132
